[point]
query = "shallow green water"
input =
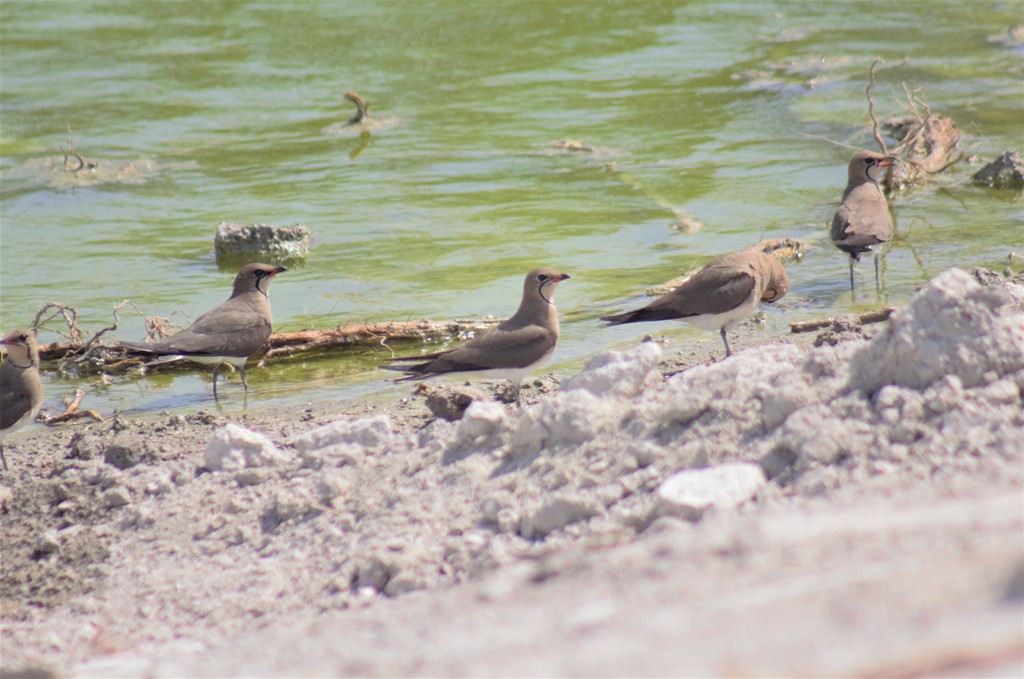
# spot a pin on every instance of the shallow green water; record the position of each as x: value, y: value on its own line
x: 702, y: 107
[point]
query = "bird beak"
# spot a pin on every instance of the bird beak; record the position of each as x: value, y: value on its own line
x: 886, y: 162
x: 277, y: 270
x: 563, y: 277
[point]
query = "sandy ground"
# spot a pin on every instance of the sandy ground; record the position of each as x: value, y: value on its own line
x: 887, y: 540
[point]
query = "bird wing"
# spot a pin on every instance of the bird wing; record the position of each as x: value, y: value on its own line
x: 862, y: 220
x: 496, y: 349
x: 712, y: 290
x: 13, y: 406
x: 226, y: 330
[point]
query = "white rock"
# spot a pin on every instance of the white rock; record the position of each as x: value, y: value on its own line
x: 953, y: 326
x: 484, y: 427
x: 729, y: 387
x: 618, y: 374
x: 572, y: 417
x: 235, y: 447
x: 372, y: 432
x: 332, y: 484
x: 690, y: 493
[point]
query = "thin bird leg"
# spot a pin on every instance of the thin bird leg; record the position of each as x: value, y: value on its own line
x: 878, y: 279
x: 851, y: 274
x: 2, y: 458
x: 244, y: 384
x: 728, y: 351
x: 215, y: 369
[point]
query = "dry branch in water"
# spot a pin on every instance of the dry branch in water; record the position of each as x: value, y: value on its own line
x: 871, y: 107
x: 95, y: 355
x: 876, y: 316
x: 362, y: 108
x: 71, y: 411
x: 78, y: 163
x: 371, y: 334
x: 926, y: 141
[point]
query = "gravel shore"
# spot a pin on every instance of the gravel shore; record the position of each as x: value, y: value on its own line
x: 847, y: 503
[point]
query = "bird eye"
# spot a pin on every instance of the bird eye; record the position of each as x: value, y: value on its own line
x: 542, y: 277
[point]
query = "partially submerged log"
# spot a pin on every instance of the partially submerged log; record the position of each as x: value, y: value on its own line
x: 372, y: 334
x: 877, y: 316
x: 116, y: 359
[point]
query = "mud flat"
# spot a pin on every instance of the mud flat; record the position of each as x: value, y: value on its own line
x: 850, y: 508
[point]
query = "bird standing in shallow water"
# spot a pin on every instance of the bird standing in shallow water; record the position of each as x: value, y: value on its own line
x: 719, y: 296
x: 21, y: 389
x: 229, y: 333
x: 508, y: 351
x: 863, y: 218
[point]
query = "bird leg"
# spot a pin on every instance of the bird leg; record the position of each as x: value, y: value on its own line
x: 517, y: 387
x: 2, y: 458
x: 728, y: 351
x: 878, y: 279
x: 851, y: 273
x: 244, y: 384
x: 215, y: 369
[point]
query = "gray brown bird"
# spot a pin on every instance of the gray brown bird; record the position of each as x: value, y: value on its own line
x: 863, y: 218
x: 21, y: 389
x: 229, y: 333
x: 718, y: 296
x: 511, y: 349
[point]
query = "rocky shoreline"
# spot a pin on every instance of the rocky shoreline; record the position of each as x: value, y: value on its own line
x: 879, y: 515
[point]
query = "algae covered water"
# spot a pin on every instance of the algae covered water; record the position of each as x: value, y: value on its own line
x: 518, y: 135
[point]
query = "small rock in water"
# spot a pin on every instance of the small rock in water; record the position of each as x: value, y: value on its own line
x: 283, y: 242
x: 689, y: 494
x: 1005, y: 172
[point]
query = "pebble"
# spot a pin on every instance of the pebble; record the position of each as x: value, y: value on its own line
x: 235, y: 447
x: 48, y: 542
x: 118, y: 496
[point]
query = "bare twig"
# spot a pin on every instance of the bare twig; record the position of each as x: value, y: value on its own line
x: 68, y: 313
x: 831, y: 141
x: 89, y: 344
x: 871, y: 107
x: 71, y: 410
